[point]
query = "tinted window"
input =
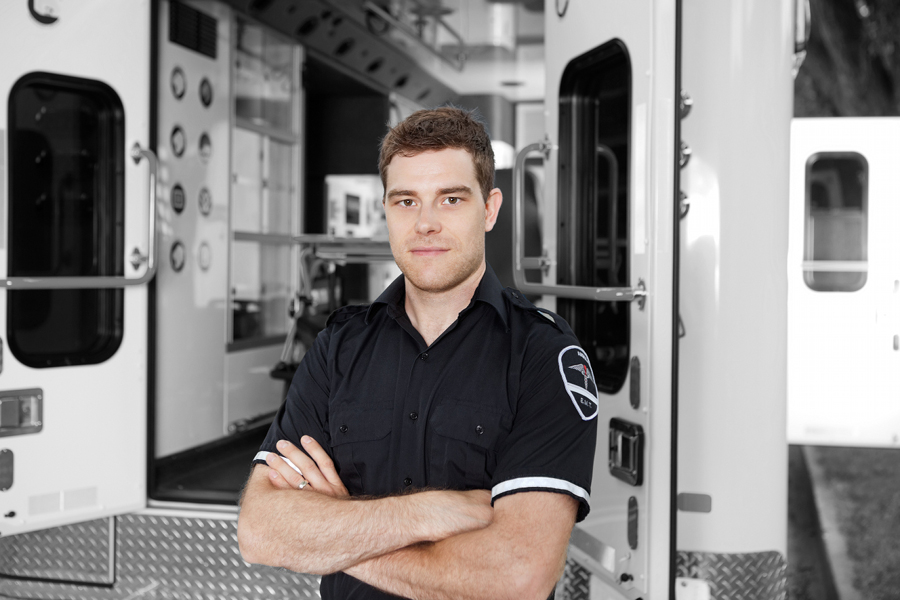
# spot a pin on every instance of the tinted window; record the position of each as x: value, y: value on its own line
x: 836, y: 225
x: 66, y: 213
x: 594, y: 117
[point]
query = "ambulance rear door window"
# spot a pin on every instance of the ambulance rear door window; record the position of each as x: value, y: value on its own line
x: 593, y: 251
x: 66, y: 218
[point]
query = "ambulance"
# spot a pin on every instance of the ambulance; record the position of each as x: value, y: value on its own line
x: 188, y: 187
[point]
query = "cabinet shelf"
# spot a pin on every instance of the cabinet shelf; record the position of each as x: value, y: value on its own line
x: 349, y: 250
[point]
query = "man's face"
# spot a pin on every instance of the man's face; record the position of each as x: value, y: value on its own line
x: 437, y: 218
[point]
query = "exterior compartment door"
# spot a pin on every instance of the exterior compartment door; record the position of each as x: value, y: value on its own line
x: 77, y: 203
x: 609, y: 269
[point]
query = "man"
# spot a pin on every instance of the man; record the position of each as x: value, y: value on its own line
x: 409, y: 410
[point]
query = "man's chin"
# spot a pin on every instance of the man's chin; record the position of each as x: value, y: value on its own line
x: 432, y: 283
x: 435, y: 280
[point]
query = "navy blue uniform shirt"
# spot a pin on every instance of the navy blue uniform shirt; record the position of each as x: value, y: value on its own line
x: 503, y: 400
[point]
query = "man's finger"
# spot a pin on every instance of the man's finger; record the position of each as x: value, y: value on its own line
x: 306, y: 465
x: 286, y: 470
x: 323, y: 460
x: 276, y: 479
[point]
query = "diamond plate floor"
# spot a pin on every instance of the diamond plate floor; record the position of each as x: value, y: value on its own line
x: 156, y: 558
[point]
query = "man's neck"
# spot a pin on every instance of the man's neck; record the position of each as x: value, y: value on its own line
x: 431, y: 313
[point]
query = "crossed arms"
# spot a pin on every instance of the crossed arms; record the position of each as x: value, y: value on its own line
x: 429, y: 545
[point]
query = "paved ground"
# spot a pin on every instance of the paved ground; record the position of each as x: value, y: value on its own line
x: 862, y: 489
x: 809, y: 571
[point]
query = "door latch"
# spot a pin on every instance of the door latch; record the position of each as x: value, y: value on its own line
x: 626, y: 451
x: 21, y: 412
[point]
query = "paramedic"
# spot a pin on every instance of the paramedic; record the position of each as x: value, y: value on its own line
x: 448, y: 429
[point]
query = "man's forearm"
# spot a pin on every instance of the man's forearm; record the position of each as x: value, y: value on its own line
x: 313, y: 533
x: 519, y: 556
x: 457, y: 568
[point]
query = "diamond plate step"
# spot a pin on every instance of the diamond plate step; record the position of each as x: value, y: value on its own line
x: 157, y: 557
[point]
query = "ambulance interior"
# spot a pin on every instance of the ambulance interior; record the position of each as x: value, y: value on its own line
x: 305, y: 231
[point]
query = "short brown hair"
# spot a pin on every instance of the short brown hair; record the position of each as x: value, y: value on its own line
x: 437, y: 129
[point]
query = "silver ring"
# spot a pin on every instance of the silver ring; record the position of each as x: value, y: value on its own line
x: 303, y: 484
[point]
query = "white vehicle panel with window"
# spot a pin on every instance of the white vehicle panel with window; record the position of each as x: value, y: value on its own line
x: 844, y: 283
x: 77, y: 250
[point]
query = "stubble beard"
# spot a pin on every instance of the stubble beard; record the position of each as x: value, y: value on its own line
x: 434, y: 279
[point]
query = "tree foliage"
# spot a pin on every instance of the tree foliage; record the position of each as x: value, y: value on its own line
x: 852, y: 67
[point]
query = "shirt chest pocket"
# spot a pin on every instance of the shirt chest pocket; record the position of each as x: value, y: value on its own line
x: 462, y: 449
x: 360, y: 453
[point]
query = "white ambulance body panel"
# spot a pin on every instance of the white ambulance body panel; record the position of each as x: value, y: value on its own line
x: 88, y: 458
x: 844, y: 283
x: 732, y: 360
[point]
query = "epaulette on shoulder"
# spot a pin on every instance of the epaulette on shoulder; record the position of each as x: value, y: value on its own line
x: 345, y: 313
x: 518, y: 300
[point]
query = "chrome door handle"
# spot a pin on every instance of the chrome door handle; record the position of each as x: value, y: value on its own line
x: 520, y: 261
x: 105, y: 281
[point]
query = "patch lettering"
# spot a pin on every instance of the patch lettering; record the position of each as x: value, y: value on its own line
x: 578, y: 379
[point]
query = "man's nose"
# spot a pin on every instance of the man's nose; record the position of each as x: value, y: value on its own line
x: 428, y: 220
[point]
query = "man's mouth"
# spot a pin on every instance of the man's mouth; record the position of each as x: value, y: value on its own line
x: 428, y: 251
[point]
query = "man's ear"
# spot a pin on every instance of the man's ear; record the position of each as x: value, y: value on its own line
x: 492, y: 208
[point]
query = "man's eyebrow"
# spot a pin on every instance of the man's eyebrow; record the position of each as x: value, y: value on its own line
x: 456, y: 189
x: 394, y: 193
x: 459, y: 189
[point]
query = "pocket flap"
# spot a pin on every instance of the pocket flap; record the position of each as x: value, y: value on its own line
x: 470, y: 424
x: 360, y: 426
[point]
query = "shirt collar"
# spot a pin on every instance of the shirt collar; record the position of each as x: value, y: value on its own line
x: 489, y: 291
x: 393, y: 296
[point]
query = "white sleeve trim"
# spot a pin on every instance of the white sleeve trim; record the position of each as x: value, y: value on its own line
x: 541, y: 483
x: 262, y: 455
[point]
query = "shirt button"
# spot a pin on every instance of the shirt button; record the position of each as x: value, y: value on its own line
x: 413, y: 416
x: 343, y: 429
x: 407, y: 482
x: 479, y: 429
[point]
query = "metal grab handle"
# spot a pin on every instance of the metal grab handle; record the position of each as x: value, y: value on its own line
x: 137, y: 153
x: 520, y: 261
x: 106, y: 281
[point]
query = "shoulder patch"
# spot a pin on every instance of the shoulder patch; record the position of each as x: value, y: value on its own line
x: 578, y: 379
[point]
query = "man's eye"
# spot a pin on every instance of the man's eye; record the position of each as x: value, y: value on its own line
x: 407, y: 202
x: 452, y: 200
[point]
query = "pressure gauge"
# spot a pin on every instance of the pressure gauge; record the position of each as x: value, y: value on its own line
x: 178, y: 140
x: 178, y: 82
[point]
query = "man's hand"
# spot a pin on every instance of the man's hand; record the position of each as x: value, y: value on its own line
x: 461, y: 511
x: 323, y: 531
x: 317, y: 468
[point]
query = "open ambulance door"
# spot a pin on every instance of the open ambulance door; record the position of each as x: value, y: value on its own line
x: 611, y: 169
x: 77, y: 202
